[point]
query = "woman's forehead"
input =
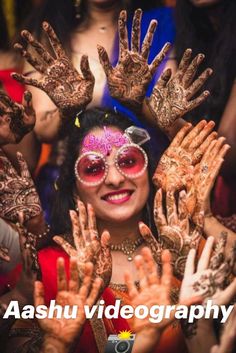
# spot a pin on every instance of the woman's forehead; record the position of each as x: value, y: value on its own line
x: 103, y: 140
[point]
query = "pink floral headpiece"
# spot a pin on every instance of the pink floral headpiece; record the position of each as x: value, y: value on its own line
x: 104, y: 143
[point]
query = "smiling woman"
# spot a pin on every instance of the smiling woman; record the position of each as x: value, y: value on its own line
x: 106, y: 168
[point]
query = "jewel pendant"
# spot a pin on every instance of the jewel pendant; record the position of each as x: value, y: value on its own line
x: 129, y: 258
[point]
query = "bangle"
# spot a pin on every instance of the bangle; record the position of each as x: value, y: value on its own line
x: 45, y: 233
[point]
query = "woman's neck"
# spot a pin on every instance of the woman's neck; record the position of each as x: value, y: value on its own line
x: 103, y: 14
x: 121, y: 231
x: 214, y: 14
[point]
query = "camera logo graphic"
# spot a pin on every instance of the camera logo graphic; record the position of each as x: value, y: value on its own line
x: 121, y: 343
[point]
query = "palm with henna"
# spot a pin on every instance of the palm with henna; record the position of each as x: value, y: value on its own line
x: 68, y: 89
x: 16, y: 120
x: 175, y: 168
x: 171, y: 97
x: 212, y: 277
x: 60, y: 333
x: 174, y: 228
x: 129, y: 79
x: 154, y: 290
x: 89, y: 247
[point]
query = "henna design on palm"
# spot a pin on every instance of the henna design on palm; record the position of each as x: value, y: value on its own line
x: 212, y: 277
x: 175, y: 167
x: 17, y: 192
x: 172, y: 96
x: 72, y: 292
x: 16, y: 120
x: 88, y: 246
x: 128, y: 81
x: 69, y: 90
x: 174, y: 229
x: 154, y: 288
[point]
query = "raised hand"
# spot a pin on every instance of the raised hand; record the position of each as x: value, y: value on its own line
x: 154, y: 289
x: 69, y: 90
x: 204, y: 177
x: 211, y: 279
x: 128, y: 81
x: 17, y: 192
x: 172, y: 96
x: 63, y: 331
x: 89, y: 247
x: 175, y: 168
x: 16, y: 120
x: 174, y: 228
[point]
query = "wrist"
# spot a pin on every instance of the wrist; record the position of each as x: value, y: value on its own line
x: 51, y: 344
x: 38, y: 226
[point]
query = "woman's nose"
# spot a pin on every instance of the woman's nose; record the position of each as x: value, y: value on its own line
x: 114, y: 177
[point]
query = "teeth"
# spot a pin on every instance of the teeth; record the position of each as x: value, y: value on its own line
x: 118, y: 196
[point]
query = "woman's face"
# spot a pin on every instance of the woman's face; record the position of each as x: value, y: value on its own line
x: 117, y: 198
x: 204, y: 3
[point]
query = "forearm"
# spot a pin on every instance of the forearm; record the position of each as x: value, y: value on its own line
x: 200, y: 336
x: 38, y: 226
x: 9, y: 238
x: 6, y: 324
x: 146, y: 340
x: 53, y: 345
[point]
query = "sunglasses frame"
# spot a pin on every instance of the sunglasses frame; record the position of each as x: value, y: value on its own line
x: 135, y: 175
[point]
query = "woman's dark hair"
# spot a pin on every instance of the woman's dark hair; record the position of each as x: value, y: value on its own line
x: 21, y: 10
x: 4, y: 38
x: 64, y: 199
x: 217, y: 42
x: 61, y: 14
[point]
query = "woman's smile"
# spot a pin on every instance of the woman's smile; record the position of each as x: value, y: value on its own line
x: 118, y: 197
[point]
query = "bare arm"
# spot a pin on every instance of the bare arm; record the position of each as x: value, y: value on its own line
x: 227, y: 128
x: 212, y: 227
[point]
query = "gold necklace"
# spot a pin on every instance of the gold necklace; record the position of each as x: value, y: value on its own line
x: 128, y: 247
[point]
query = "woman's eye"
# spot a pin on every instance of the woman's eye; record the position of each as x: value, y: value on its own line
x: 128, y: 162
x: 94, y: 169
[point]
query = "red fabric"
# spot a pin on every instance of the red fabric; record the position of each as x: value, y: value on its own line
x: 9, y: 280
x: 171, y: 340
x: 14, y: 89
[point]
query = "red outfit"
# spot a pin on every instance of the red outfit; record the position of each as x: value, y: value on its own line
x: 171, y: 340
x: 13, y: 88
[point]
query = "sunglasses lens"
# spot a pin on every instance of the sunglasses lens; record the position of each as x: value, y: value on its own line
x: 131, y: 161
x: 91, y: 168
